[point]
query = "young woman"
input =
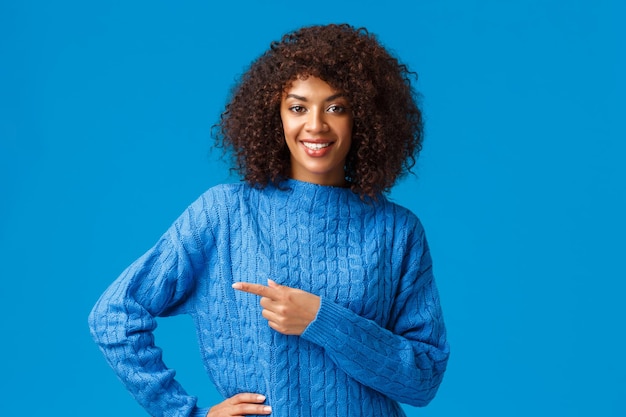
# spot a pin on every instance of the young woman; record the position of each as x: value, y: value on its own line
x: 312, y: 294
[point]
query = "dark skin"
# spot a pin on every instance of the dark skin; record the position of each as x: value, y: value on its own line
x: 287, y: 310
x: 242, y: 404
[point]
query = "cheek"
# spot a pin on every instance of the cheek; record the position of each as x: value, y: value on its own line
x: 286, y: 130
x: 290, y: 129
x: 346, y: 129
x: 284, y: 121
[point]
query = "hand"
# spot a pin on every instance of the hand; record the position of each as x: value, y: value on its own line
x: 242, y: 404
x: 287, y: 310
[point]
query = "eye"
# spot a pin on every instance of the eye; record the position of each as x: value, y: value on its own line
x: 336, y: 108
x: 297, y: 108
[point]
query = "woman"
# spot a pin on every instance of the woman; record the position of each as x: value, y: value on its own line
x: 312, y: 294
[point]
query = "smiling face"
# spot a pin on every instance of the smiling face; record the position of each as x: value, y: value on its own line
x: 317, y: 123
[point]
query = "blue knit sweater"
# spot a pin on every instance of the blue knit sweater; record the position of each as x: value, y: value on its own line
x: 378, y: 338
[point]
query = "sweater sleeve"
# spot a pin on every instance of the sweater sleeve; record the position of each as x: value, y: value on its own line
x: 406, y: 361
x: 123, y: 319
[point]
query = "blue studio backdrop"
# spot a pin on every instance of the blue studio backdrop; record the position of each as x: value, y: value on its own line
x: 105, y: 117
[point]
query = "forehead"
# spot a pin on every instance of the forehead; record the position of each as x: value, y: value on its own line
x: 310, y: 86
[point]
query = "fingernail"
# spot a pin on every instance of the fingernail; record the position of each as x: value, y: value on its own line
x: 260, y: 397
x: 237, y: 285
x: 267, y: 409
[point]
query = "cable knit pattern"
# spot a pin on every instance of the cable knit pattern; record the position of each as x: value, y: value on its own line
x: 378, y: 338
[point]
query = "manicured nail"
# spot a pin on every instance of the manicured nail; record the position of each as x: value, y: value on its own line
x: 260, y: 397
x: 267, y: 409
x: 237, y: 286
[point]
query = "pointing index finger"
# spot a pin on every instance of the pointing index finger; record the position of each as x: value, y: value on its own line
x: 256, y: 289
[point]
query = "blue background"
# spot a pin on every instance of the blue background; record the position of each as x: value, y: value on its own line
x: 105, y: 112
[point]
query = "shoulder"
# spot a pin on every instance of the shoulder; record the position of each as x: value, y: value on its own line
x: 225, y: 201
x: 402, y: 216
x: 409, y: 235
x: 410, y: 241
x: 225, y: 191
x: 222, y: 195
x: 212, y: 205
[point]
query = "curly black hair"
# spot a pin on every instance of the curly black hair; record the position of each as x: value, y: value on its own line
x: 387, y: 130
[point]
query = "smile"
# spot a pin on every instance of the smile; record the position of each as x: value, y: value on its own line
x: 316, y: 146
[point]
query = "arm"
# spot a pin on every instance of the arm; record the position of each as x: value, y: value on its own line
x: 123, y: 319
x: 405, y: 362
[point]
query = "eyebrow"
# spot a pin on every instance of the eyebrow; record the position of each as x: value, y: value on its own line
x: 301, y: 98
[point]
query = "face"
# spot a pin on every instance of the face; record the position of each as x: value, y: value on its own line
x: 317, y: 122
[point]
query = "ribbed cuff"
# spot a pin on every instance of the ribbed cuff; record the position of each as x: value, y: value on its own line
x: 327, y: 324
x: 199, y: 412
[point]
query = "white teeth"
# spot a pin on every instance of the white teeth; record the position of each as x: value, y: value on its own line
x: 315, y: 146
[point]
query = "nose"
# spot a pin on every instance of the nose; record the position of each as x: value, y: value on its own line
x: 316, y: 121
